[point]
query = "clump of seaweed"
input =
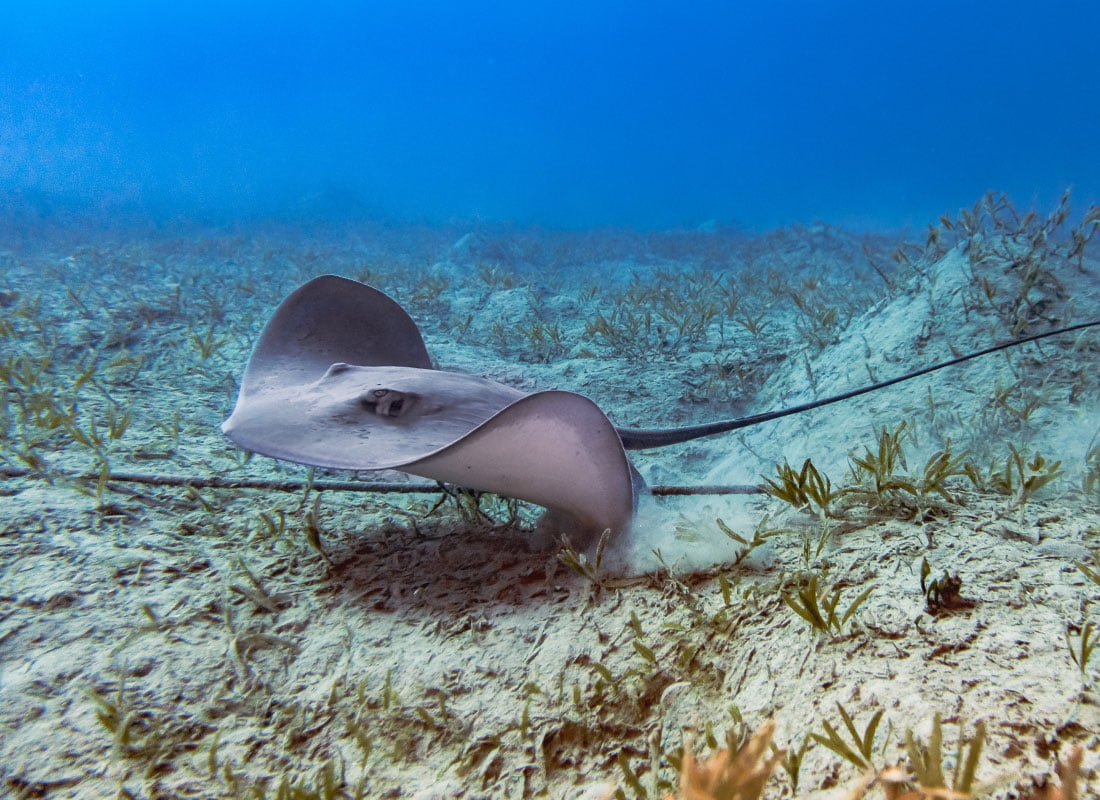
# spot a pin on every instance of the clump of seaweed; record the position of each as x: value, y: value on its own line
x: 1017, y: 478
x: 580, y: 563
x: 927, y: 768
x: 479, y: 508
x: 806, y: 488
x: 860, y: 749
x: 1087, y: 637
x: 878, y: 481
x: 820, y: 607
x: 741, y: 775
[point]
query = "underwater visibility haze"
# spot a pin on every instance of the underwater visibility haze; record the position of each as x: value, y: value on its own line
x: 650, y: 114
x: 267, y: 270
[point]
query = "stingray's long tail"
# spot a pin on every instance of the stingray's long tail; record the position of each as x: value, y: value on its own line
x: 642, y: 438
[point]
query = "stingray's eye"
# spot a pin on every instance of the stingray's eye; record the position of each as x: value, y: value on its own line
x: 386, y: 402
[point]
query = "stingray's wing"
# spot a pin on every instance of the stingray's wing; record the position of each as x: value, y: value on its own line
x: 556, y: 449
x: 331, y: 320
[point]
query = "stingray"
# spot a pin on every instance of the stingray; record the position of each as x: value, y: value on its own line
x: 340, y: 379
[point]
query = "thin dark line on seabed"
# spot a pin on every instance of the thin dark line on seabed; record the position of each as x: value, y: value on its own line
x: 214, y: 482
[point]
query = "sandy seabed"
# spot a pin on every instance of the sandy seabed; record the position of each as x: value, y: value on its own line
x: 159, y: 641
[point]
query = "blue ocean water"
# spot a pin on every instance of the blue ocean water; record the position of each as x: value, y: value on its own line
x: 566, y: 114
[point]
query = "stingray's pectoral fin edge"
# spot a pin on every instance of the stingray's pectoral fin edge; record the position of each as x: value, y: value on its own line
x: 555, y: 449
x: 637, y: 483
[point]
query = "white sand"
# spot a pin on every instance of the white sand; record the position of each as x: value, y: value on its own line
x: 214, y: 642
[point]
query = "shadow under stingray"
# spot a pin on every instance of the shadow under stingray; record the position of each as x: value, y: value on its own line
x: 449, y: 569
